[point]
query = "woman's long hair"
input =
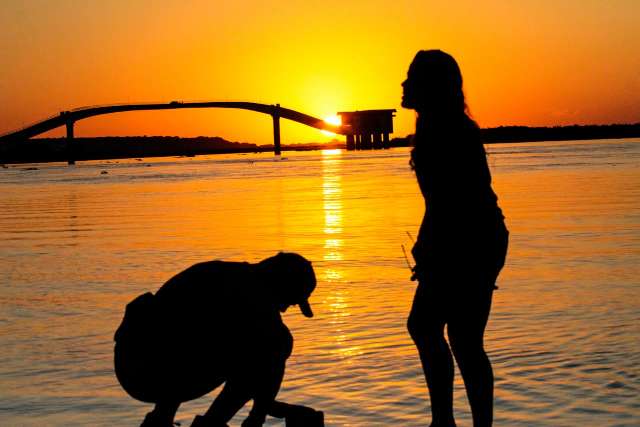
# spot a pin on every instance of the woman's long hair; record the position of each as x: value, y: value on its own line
x: 440, y: 104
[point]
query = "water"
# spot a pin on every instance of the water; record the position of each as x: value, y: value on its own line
x: 78, y: 244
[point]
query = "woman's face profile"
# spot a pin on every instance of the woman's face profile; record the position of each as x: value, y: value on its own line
x: 409, y: 91
x: 433, y: 83
x: 413, y: 89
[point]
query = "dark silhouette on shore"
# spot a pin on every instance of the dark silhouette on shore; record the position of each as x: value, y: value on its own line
x: 462, y: 242
x: 216, y: 322
x: 559, y: 133
x: 102, y: 148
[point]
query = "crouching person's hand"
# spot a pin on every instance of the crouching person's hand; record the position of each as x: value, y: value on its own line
x: 303, y: 416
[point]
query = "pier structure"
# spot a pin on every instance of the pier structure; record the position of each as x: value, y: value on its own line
x: 367, y: 129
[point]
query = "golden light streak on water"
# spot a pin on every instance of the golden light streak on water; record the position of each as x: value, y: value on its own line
x: 332, y: 204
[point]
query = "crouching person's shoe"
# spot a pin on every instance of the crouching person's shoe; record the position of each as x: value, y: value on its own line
x: 152, y: 419
x: 202, y: 421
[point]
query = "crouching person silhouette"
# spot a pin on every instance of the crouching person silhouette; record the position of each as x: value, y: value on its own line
x: 216, y: 322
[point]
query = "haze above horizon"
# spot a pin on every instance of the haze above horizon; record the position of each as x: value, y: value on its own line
x: 534, y: 63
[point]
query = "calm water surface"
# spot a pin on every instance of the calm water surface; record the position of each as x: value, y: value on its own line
x: 564, y: 336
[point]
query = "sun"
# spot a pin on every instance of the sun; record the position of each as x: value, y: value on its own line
x: 332, y: 120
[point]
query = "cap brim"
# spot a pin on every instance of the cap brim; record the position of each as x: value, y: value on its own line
x: 305, y: 308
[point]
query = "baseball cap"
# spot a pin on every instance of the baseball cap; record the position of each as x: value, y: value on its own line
x: 295, y: 276
x: 305, y: 308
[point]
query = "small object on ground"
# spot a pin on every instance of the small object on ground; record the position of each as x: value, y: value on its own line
x: 300, y: 416
x: 312, y: 418
x: 104, y: 173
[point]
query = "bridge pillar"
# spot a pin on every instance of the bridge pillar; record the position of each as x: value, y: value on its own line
x: 366, y: 141
x: 276, y: 130
x: 71, y: 157
x: 377, y: 141
x: 351, y: 142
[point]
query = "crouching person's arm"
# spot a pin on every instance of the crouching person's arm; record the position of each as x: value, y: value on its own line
x: 268, y: 366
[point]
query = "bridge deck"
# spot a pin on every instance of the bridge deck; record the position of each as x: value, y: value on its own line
x: 70, y: 117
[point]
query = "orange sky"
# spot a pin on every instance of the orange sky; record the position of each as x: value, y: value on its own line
x: 530, y: 62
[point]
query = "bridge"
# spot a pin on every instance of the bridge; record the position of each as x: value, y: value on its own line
x: 69, y: 118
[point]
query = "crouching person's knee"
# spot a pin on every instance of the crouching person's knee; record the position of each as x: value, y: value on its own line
x: 286, y: 346
x: 281, y: 346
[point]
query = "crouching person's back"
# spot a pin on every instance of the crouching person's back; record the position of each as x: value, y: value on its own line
x: 216, y: 322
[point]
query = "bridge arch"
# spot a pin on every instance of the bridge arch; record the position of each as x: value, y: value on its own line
x: 68, y: 118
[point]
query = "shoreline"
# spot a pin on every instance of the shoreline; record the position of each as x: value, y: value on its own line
x: 45, y: 150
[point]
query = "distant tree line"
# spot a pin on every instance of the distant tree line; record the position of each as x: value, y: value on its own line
x: 109, y: 147
x: 559, y: 133
x: 556, y: 133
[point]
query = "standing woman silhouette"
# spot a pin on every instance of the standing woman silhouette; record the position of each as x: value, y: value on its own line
x: 462, y: 242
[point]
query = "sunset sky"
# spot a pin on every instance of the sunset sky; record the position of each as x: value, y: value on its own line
x: 528, y: 62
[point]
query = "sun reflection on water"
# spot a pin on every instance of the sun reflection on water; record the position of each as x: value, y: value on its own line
x: 332, y: 204
x: 339, y: 300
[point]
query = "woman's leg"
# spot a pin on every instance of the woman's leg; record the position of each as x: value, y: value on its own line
x: 466, y: 331
x: 426, y: 327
